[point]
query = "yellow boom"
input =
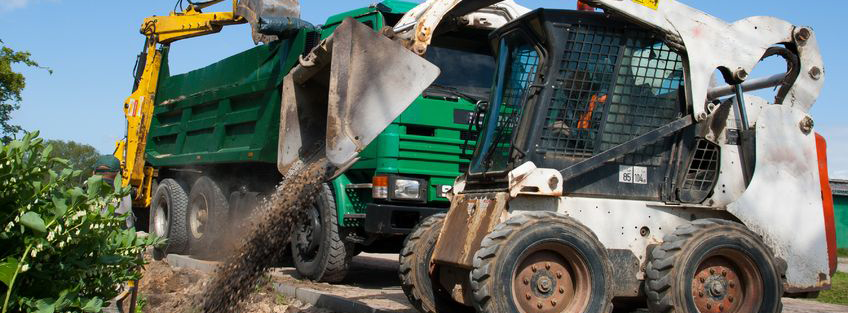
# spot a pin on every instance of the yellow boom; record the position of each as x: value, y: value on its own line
x: 138, y: 108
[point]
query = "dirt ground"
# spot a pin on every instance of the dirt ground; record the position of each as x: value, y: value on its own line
x: 178, y: 290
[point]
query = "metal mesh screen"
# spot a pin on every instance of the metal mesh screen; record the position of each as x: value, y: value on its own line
x: 586, y: 73
x: 703, y: 169
x: 614, y: 85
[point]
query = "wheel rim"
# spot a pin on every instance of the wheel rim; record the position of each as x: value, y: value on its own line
x: 160, y: 219
x: 198, y: 215
x: 727, y: 281
x: 551, y: 277
x: 309, y: 232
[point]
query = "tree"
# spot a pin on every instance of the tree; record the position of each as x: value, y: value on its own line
x: 80, y: 156
x: 11, y: 85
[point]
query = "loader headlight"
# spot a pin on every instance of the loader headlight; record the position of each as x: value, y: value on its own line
x: 404, y: 188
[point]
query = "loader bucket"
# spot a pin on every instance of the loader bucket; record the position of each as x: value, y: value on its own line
x: 258, y: 12
x: 345, y: 92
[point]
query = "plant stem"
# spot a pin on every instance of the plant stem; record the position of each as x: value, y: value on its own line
x: 12, y: 282
x: 18, y: 270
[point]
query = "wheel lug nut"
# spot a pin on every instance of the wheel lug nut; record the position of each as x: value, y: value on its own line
x: 526, y: 281
x: 721, y: 307
x: 547, y: 265
x: 528, y: 296
x: 561, y: 290
x: 703, y: 280
x: 559, y: 275
x: 732, y: 284
x: 700, y: 293
x: 539, y: 305
x: 533, y: 268
x: 712, y: 272
x: 723, y: 273
x: 553, y: 302
x: 709, y: 306
x: 730, y: 298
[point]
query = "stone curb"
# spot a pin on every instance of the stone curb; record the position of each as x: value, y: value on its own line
x: 305, y: 295
x: 324, y: 300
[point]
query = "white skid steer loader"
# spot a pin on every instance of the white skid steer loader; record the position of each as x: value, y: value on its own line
x: 610, y: 171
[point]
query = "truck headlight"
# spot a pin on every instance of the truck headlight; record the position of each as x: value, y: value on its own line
x: 408, y: 189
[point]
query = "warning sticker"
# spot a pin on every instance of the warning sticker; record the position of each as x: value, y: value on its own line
x: 651, y: 4
x: 633, y: 174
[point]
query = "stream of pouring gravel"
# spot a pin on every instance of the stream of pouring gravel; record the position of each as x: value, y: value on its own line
x: 266, y: 238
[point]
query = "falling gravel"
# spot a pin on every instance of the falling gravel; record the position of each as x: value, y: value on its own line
x: 266, y: 238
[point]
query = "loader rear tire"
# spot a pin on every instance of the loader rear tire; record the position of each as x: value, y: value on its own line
x: 168, y: 218
x: 318, y: 250
x: 709, y: 264
x: 415, y: 275
x: 541, y: 262
x: 208, y: 215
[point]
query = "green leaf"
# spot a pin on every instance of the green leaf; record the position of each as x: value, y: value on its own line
x: 45, y: 154
x: 117, y: 183
x: 109, y: 259
x: 34, y: 221
x: 93, y: 305
x: 45, y: 306
x: 7, y: 270
x: 60, y: 206
x: 94, y: 183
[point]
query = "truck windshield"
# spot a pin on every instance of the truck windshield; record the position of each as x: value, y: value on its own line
x: 516, y: 70
x: 467, y: 71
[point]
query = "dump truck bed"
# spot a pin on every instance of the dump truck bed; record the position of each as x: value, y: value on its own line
x: 226, y: 112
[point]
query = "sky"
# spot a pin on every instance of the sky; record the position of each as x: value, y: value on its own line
x: 91, y: 47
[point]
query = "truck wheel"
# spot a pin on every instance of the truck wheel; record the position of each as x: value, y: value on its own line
x: 168, y: 218
x: 415, y: 269
x: 713, y: 265
x: 318, y: 251
x: 208, y: 212
x: 541, y: 262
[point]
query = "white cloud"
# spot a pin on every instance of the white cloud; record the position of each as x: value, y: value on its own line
x: 9, y: 5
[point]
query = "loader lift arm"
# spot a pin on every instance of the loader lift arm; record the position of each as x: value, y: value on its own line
x: 160, y: 31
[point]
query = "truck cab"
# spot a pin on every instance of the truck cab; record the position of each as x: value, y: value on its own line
x: 403, y: 176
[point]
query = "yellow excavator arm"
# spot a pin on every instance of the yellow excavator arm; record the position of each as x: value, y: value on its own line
x: 138, y: 108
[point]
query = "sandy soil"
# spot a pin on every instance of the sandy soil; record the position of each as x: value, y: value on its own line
x: 178, y: 290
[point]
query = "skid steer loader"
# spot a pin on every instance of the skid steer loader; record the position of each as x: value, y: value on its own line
x: 610, y: 171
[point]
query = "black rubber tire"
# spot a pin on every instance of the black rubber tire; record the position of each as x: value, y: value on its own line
x: 331, y: 261
x: 174, y: 201
x: 414, y: 270
x: 671, y: 266
x: 209, y: 244
x: 499, y: 253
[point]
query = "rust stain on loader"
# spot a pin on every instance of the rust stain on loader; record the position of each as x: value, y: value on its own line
x: 470, y: 218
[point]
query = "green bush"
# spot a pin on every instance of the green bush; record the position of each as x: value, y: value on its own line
x: 61, y: 249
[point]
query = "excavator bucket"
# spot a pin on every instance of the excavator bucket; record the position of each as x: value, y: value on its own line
x: 261, y: 12
x: 345, y: 92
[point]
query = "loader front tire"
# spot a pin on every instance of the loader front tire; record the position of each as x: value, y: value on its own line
x: 541, y: 262
x: 713, y: 265
x: 208, y: 215
x: 168, y: 218
x: 318, y: 250
x: 415, y: 275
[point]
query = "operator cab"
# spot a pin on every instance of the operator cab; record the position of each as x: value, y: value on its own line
x: 571, y: 85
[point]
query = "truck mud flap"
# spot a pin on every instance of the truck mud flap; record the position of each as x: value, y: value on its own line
x: 345, y: 92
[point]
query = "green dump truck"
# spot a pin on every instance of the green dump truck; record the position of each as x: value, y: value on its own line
x: 213, y: 143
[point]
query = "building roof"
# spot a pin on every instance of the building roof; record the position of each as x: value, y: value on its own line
x: 839, y: 187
